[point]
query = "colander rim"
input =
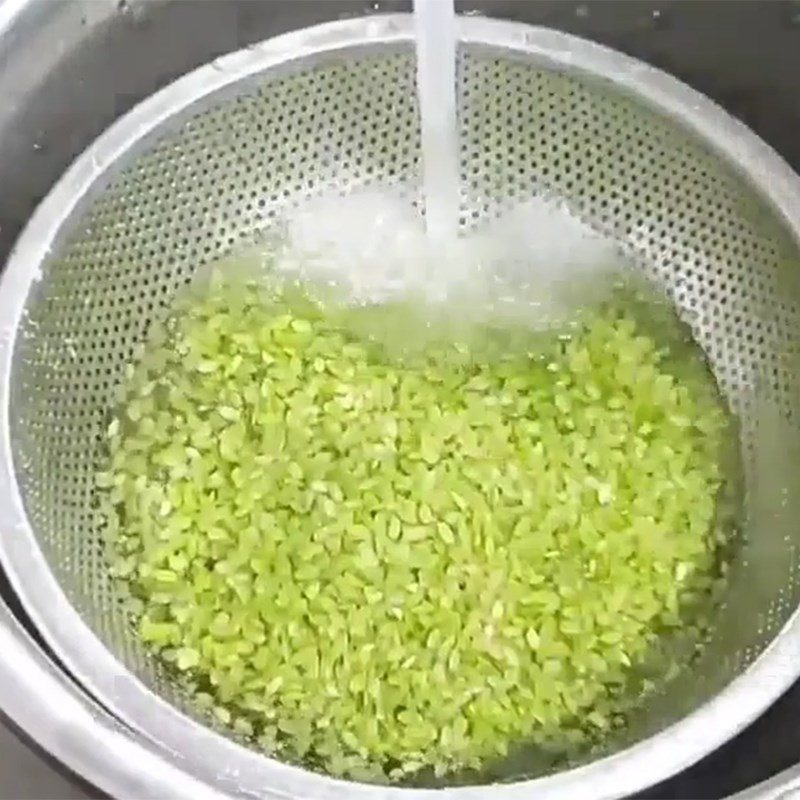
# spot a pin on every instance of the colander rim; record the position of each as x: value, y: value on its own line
x: 237, y: 769
x: 50, y: 707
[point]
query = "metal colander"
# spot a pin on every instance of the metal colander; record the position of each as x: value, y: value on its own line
x: 222, y: 156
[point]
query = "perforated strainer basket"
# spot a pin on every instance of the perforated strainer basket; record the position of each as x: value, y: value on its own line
x: 213, y: 161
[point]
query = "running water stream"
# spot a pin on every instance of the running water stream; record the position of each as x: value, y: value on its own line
x: 536, y: 262
x: 435, y: 30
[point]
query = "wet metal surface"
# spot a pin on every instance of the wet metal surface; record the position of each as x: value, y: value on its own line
x: 743, y: 54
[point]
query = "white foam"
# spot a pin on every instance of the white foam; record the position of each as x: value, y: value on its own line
x: 369, y: 245
x: 536, y: 264
x: 541, y: 264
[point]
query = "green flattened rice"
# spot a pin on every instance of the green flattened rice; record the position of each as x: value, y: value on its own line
x: 383, y: 566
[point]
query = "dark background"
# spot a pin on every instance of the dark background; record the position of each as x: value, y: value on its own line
x: 745, y: 54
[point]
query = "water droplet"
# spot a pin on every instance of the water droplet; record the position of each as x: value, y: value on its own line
x: 660, y: 18
x: 582, y: 11
x: 136, y: 13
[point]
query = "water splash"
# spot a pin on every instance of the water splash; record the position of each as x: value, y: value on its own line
x: 538, y: 265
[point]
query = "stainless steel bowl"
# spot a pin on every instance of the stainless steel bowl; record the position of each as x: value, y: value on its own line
x: 699, y: 203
